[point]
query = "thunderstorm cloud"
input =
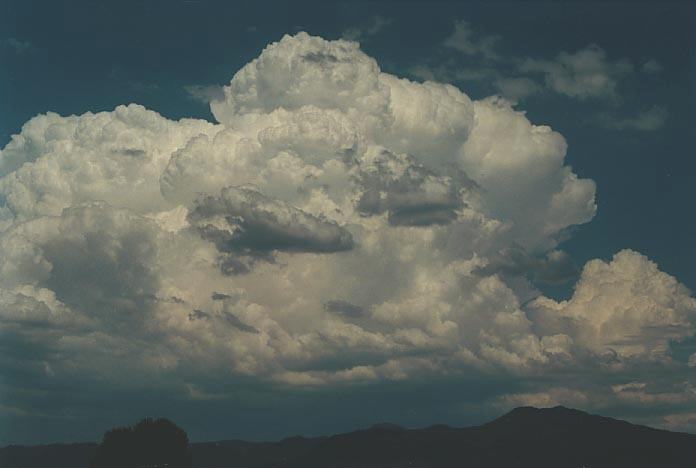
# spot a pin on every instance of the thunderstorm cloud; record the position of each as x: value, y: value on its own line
x: 337, y: 224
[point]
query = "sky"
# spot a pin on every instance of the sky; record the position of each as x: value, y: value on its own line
x: 269, y: 219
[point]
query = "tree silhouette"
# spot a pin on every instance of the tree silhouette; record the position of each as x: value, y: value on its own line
x: 152, y: 443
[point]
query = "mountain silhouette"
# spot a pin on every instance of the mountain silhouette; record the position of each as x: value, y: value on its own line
x: 525, y: 437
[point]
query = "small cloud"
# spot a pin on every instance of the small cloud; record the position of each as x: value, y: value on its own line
x: 426, y: 73
x: 448, y: 73
x: 143, y: 87
x: 220, y: 296
x: 238, y: 324
x: 127, y: 79
x: 649, y: 120
x: 375, y: 25
x: 683, y: 422
x: 15, y: 45
x: 692, y: 360
x: 517, y: 88
x: 556, y: 267
x: 652, y: 66
x: 545, y: 399
x: 247, y: 226
x: 466, y: 41
x: 344, y: 308
x: 205, y: 93
x: 197, y: 314
x: 587, y: 73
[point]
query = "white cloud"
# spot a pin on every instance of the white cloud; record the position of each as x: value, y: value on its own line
x: 641, y: 393
x: 548, y: 197
x: 626, y: 307
x: 546, y: 399
x: 379, y: 229
x: 117, y: 157
x: 586, y: 73
x: 682, y: 422
x: 290, y: 74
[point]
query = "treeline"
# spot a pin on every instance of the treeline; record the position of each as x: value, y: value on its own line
x: 151, y: 443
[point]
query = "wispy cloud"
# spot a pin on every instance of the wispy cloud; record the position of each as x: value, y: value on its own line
x: 651, y: 66
x: 372, y: 27
x: 205, y: 93
x: 15, y: 45
x: 586, y: 73
x: 648, y: 120
x: 466, y: 40
x: 449, y: 73
x: 517, y: 88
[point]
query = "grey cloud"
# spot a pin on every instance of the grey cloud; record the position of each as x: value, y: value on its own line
x: 134, y: 152
x: 236, y: 323
x: 245, y: 223
x: 197, y: 314
x: 409, y: 208
x: 556, y: 267
x: 344, y: 308
x: 103, y: 260
x: 418, y: 197
x: 242, y: 262
x: 220, y: 296
x: 412, y: 210
x: 320, y: 57
x: 228, y: 317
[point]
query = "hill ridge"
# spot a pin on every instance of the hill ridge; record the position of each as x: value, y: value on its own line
x: 554, y: 437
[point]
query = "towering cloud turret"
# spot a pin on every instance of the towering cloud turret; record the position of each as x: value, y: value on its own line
x: 337, y: 224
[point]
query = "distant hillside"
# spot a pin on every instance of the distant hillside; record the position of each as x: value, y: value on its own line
x: 526, y: 437
x: 40, y: 456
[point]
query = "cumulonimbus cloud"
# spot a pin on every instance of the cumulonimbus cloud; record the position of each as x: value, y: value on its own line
x: 389, y: 226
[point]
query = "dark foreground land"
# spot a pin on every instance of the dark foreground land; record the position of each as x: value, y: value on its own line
x: 526, y: 437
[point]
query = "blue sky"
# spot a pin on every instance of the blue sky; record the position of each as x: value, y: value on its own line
x: 617, y: 80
